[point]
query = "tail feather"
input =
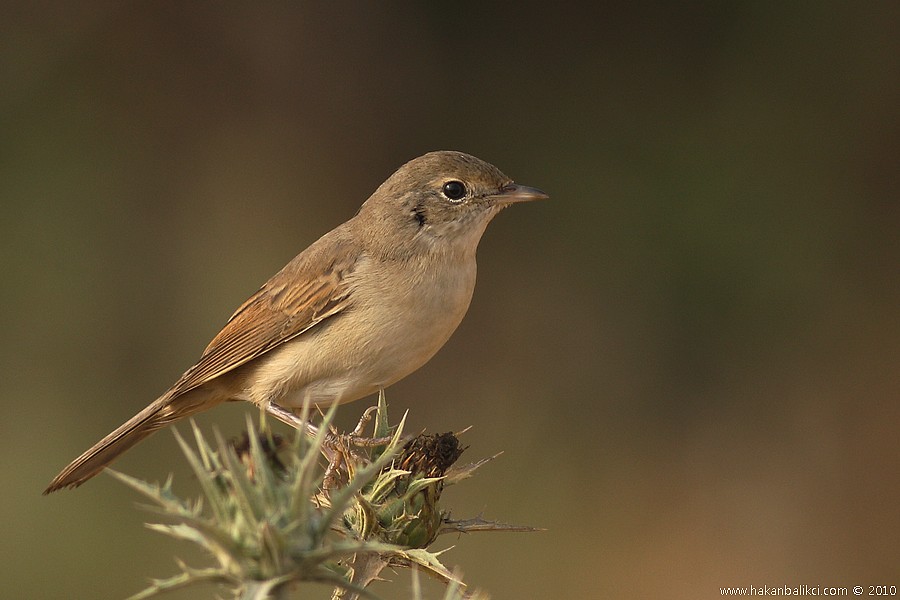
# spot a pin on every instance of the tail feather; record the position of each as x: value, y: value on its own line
x: 160, y: 413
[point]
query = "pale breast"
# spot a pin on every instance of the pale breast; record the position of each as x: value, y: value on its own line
x: 399, y: 318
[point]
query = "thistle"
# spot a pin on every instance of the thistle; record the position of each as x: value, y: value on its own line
x: 275, y: 514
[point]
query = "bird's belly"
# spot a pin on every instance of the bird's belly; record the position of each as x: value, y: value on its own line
x: 369, y: 347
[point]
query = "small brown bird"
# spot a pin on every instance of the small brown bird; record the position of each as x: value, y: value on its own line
x: 361, y: 308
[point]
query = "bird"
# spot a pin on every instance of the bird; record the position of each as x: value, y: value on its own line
x: 364, y: 306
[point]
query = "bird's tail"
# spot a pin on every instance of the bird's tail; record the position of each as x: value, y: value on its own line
x: 161, y: 412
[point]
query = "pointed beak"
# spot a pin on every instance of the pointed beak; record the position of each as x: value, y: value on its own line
x: 513, y: 192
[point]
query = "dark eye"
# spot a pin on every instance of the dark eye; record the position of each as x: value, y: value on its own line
x: 454, y: 190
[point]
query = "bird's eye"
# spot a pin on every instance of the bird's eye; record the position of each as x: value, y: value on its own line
x: 454, y: 190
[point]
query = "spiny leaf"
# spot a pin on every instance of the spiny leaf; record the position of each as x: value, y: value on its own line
x: 455, y: 474
x: 419, y: 484
x: 383, y: 484
x: 242, y: 490
x: 186, y: 578
x: 382, y: 428
x: 303, y: 487
x: 212, y: 489
x: 481, y: 524
x: 226, y: 553
x: 429, y: 562
x: 265, y: 478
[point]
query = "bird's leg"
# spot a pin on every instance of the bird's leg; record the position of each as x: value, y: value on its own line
x: 354, y: 438
x: 331, y: 448
x: 336, y: 455
x: 361, y: 441
x: 363, y: 421
x: 336, y: 447
x: 289, y: 418
x: 357, y: 439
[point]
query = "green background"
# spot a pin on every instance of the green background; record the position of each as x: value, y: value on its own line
x: 689, y: 355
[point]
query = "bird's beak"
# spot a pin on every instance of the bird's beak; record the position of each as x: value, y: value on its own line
x: 513, y: 192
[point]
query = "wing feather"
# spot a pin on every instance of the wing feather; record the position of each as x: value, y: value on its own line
x: 310, y: 289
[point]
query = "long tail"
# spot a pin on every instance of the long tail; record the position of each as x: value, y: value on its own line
x: 161, y: 412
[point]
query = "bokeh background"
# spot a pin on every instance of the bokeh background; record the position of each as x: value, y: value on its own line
x: 689, y: 355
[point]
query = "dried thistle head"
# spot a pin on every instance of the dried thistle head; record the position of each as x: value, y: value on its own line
x: 430, y: 455
x: 410, y: 514
x: 270, y: 444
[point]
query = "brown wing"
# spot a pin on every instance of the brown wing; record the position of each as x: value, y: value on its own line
x: 311, y: 288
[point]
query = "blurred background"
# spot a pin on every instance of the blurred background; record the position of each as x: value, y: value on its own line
x: 689, y: 356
